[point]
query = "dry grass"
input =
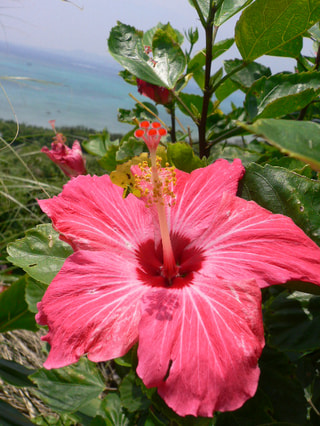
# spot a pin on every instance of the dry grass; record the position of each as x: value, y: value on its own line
x: 23, y: 347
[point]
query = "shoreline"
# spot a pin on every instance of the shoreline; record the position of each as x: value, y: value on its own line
x: 29, y: 132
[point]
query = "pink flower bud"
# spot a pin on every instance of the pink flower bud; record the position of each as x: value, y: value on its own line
x: 159, y: 94
x: 70, y: 160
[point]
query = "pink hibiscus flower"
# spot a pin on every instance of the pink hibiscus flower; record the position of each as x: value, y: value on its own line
x: 70, y: 160
x: 181, y: 278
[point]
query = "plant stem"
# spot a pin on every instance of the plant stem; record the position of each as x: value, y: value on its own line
x: 201, y: 17
x: 317, y: 63
x: 173, y: 123
x: 304, y: 110
x: 235, y: 131
x: 207, y: 90
x: 191, y: 115
x: 234, y: 71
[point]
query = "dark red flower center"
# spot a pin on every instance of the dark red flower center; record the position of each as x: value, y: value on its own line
x: 150, y: 262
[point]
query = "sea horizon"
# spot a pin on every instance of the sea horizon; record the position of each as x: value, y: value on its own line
x: 73, y: 89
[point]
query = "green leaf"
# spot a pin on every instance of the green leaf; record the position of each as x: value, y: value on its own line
x: 62, y: 420
x: 68, y: 389
x: 315, y: 32
x: 227, y: 9
x: 285, y: 192
x: 137, y: 113
x: 292, y: 164
x: 298, y: 139
x: 248, y: 75
x: 14, y: 313
x: 282, y: 94
x: 98, y: 421
x: 193, y: 102
x: 278, y: 380
x: 90, y: 409
x: 99, y: 145
x: 15, y: 374
x: 34, y: 293
x: 225, y: 89
x: 130, y: 148
x: 10, y: 416
x: 112, y: 411
x: 230, y: 152
x: 174, y: 34
x: 204, y: 6
x: 197, y: 63
x: 169, y: 58
x: 265, y: 27
x: 128, y: 77
x: 293, y: 322
x: 165, y: 66
x: 183, y: 158
x: 132, y: 397
x: 108, y: 162
x: 125, y: 360
x: 40, y: 253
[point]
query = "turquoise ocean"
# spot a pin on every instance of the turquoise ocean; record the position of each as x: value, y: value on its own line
x: 73, y: 90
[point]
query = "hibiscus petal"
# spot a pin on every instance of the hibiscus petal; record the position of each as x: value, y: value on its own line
x: 246, y: 241
x: 90, y: 213
x: 199, y: 194
x: 92, y: 306
x: 200, y: 344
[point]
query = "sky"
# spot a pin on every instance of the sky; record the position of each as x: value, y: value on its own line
x: 83, y: 27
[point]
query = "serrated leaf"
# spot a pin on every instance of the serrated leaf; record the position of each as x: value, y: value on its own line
x: 298, y: 139
x: 183, y: 158
x: 165, y: 66
x: 230, y: 152
x: 204, y: 6
x: 67, y: 389
x: 293, y: 165
x: 173, y: 33
x: 53, y: 420
x: 227, y: 9
x: 130, y: 148
x: 132, y: 397
x: 285, y: 192
x: 248, y: 75
x: 112, y: 411
x: 282, y: 94
x: 265, y: 27
x: 15, y: 374
x: 40, y: 253
x: 14, y: 312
